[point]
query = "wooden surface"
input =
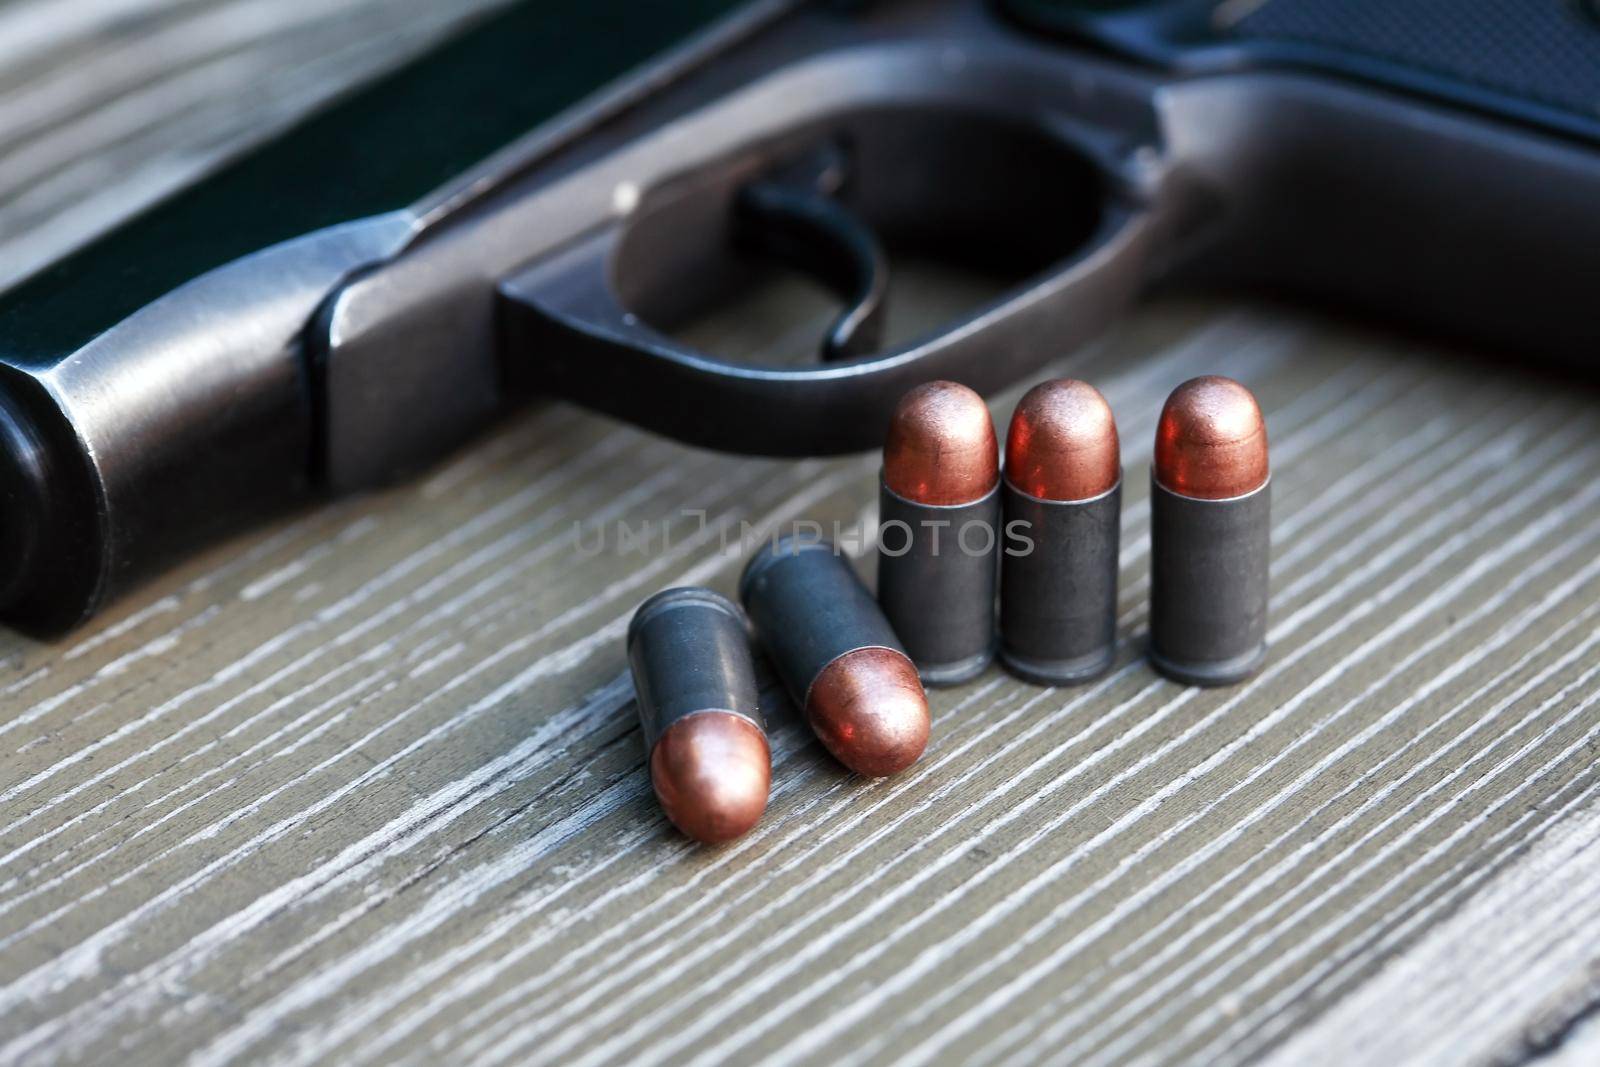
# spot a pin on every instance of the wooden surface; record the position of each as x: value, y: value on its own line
x: 367, y: 787
x: 108, y: 105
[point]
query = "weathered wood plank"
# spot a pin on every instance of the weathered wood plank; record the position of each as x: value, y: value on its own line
x: 106, y: 106
x: 1504, y: 976
x: 366, y: 787
x: 397, y: 771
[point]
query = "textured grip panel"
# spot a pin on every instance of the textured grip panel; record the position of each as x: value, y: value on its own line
x: 1540, y: 50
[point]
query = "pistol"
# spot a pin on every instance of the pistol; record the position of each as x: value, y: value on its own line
x: 535, y: 208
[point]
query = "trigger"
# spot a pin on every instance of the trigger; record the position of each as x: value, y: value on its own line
x: 793, y: 215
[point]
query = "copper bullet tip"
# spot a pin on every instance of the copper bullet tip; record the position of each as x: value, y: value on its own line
x: 1063, y: 443
x: 1211, y: 443
x: 869, y: 710
x: 712, y: 771
x: 941, y: 447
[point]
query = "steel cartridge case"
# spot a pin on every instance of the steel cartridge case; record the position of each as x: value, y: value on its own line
x: 1208, y: 584
x: 938, y: 538
x: 1058, y: 591
x: 837, y: 655
x: 1210, y: 532
x: 937, y: 577
x: 1063, y: 525
x: 706, y: 744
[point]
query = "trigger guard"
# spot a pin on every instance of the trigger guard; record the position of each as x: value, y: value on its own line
x: 563, y: 330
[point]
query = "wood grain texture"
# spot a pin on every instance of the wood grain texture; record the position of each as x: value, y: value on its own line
x: 107, y: 106
x: 1469, y: 988
x: 367, y: 787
